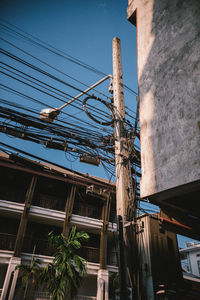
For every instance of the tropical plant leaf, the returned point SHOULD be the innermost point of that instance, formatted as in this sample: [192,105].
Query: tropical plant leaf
[63,276]
[75,244]
[83,236]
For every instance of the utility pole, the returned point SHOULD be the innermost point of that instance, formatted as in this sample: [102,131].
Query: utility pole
[122,166]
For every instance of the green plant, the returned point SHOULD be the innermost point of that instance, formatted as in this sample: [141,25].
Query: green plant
[63,276]
[113,285]
[30,274]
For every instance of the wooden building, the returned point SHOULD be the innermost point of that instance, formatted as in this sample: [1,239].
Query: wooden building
[36,198]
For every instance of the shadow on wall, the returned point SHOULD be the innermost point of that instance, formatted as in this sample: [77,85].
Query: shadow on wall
[169,71]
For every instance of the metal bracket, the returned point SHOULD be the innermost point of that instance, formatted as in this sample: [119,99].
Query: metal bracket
[127,224]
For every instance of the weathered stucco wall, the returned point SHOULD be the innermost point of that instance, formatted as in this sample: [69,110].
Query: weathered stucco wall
[168,37]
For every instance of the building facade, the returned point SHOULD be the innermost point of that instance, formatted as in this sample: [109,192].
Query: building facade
[191,257]
[37,198]
[160,268]
[168,39]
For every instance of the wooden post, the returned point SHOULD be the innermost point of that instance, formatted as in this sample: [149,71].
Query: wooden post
[24,217]
[104,237]
[68,209]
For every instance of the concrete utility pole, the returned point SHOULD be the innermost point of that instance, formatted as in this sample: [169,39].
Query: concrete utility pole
[122,164]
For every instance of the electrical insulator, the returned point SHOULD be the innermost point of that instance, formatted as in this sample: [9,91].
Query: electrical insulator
[110,89]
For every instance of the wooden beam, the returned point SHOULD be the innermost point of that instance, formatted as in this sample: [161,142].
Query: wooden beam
[173,221]
[68,210]
[24,217]
[104,234]
[69,178]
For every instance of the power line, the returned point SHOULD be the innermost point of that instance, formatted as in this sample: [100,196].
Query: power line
[78,120]
[47,74]
[12,56]
[95,180]
[52,49]
[54,68]
[58,52]
[82,139]
[82,136]
[55,97]
[67,94]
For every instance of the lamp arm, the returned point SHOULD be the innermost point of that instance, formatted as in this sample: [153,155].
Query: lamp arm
[84,92]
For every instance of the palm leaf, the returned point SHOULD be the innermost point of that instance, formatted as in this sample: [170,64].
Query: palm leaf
[63,276]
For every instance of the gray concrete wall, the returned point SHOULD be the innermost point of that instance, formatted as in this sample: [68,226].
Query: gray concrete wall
[168,37]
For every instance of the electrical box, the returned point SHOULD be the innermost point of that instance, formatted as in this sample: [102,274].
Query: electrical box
[89,160]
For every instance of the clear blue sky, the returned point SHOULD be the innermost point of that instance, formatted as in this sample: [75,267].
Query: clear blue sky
[83,29]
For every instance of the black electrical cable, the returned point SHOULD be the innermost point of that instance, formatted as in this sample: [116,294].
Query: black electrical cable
[100,182]
[62,53]
[59,99]
[54,68]
[106,96]
[12,56]
[43,139]
[94,117]
[24,118]
[55,97]
[34,78]
[68,115]
[56,51]
[93,108]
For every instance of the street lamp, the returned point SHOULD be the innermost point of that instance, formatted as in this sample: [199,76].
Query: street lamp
[50,114]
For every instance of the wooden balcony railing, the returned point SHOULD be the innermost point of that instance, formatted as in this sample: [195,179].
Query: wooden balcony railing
[12,194]
[112,258]
[7,241]
[48,201]
[42,246]
[51,202]
[19,294]
[87,210]
[31,294]
[81,297]
[91,254]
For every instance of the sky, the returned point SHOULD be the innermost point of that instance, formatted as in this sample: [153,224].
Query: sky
[84,30]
